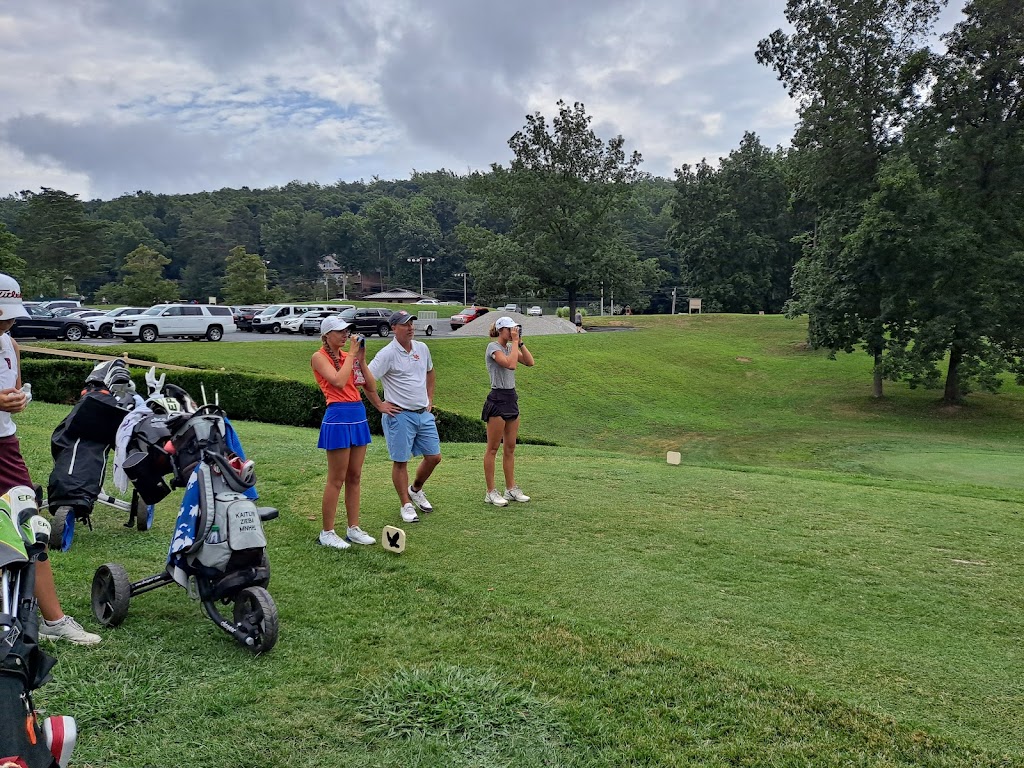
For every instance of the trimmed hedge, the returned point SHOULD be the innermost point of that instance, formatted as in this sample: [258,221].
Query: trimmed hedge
[243,396]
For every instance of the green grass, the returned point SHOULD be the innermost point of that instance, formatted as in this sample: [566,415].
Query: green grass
[824,581]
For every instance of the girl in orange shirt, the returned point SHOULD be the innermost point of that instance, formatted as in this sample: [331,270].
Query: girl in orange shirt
[344,433]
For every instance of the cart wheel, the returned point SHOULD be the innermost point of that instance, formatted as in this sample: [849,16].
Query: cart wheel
[143,512]
[111,592]
[255,608]
[62,529]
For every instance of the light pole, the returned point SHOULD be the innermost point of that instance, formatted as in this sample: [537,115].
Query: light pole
[465,296]
[420,260]
[266,265]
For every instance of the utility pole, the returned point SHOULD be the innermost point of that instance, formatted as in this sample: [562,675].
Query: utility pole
[420,261]
[465,296]
[673,301]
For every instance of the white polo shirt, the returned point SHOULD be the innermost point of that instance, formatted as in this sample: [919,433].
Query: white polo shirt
[403,374]
[8,378]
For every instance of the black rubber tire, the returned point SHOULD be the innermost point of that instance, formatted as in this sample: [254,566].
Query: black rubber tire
[107,331]
[247,602]
[74,333]
[111,594]
[275,328]
[147,334]
[384,330]
[60,519]
[141,511]
[429,330]
[214,333]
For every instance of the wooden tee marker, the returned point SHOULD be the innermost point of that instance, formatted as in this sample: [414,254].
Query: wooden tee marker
[393,539]
[674,457]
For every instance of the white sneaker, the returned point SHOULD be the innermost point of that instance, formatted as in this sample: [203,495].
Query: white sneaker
[420,500]
[409,514]
[333,540]
[358,536]
[515,493]
[495,498]
[67,629]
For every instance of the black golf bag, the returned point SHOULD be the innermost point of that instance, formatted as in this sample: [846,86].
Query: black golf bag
[218,548]
[24,667]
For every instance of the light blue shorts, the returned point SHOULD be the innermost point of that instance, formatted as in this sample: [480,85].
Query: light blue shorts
[411,434]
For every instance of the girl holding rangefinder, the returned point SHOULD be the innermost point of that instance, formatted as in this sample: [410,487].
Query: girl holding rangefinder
[344,433]
[501,409]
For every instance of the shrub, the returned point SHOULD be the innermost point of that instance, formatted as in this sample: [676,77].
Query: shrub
[563,312]
[243,396]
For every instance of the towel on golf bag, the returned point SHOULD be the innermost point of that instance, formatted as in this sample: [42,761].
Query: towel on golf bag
[122,438]
[198,550]
[231,438]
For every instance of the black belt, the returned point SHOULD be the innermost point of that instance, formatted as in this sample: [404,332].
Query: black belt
[413,410]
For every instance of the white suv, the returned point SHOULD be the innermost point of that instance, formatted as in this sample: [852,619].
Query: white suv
[208,321]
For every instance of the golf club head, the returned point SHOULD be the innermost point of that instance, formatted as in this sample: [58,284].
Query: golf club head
[153,383]
[39,528]
[61,734]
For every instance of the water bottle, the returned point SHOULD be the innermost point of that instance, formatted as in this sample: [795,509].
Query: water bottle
[214,536]
[357,371]
[27,389]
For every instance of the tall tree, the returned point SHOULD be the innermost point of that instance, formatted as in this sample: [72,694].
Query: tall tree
[562,193]
[10,263]
[848,65]
[58,242]
[142,281]
[245,277]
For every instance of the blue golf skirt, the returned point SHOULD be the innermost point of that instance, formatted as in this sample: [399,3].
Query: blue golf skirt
[344,426]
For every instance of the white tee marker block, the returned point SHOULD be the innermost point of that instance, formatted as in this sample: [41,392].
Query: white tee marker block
[393,539]
[674,457]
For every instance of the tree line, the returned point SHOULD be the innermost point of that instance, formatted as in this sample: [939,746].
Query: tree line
[893,221]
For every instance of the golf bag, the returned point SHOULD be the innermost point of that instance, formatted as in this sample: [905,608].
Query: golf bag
[80,445]
[218,548]
[24,667]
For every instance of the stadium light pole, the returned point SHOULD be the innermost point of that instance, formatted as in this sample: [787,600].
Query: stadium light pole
[465,296]
[420,260]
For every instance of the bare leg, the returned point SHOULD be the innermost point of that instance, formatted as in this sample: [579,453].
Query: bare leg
[337,470]
[425,469]
[353,479]
[400,478]
[46,592]
[508,455]
[495,428]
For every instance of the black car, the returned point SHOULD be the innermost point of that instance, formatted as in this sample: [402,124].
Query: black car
[43,324]
[369,321]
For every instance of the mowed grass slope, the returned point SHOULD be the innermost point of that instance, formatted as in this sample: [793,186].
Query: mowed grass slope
[825,581]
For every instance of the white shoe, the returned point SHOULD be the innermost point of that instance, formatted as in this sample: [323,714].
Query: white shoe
[420,500]
[495,498]
[67,629]
[515,493]
[333,540]
[409,514]
[358,536]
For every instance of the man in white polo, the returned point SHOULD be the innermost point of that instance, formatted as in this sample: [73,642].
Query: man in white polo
[405,369]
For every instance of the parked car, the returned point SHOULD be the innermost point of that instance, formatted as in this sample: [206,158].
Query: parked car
[428,302]
[43,324]
[243,317]
[467,315]
[510,308]
[311,320]
[103,325]
[535,311]
[369,321]
[59,303]
[271,319]
[194,321]
[72,311]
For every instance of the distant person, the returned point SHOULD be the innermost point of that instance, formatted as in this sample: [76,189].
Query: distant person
[55,624]
[406,370]
[501,409]
[579,321]
[344,432]
[629,310]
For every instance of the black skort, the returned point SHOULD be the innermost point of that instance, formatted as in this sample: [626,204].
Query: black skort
[503,403]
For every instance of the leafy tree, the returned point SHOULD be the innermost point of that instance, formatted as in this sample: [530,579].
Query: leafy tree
[852,66]
[562,193]
[245,278]
[58,241]
[733,230]
[142,281]
[497,268]
[10,263]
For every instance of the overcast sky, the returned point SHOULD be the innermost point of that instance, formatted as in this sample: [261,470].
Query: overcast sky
[105,97]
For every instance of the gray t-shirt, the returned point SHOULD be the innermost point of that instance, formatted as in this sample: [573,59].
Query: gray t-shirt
[501,378]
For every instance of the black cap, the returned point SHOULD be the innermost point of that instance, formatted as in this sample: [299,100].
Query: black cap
[401,317]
